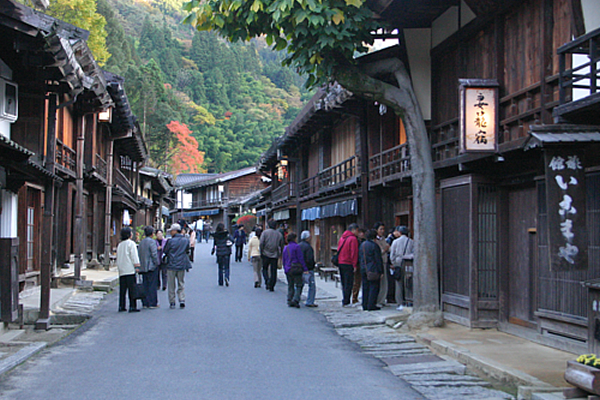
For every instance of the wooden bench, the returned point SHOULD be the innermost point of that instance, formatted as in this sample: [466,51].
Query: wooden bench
[325,272]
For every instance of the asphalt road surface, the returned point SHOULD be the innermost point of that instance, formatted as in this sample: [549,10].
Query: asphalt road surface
[233,342]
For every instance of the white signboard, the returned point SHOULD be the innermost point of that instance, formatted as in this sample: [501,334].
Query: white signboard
[478,123]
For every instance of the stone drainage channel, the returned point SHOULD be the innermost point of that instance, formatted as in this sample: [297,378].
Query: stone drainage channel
[436,378]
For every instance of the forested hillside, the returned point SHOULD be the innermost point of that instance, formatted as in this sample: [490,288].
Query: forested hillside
[234,98]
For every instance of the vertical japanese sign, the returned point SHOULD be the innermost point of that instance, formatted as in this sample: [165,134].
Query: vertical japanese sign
[478,119]
[565,199]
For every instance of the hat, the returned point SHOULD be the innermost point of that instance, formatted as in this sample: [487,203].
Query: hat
[402,229]
[175,227]
[304,235]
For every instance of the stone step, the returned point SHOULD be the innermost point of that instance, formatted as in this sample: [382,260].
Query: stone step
[461,393]
[452,367]
[396,354]
[392,346]
[11,335]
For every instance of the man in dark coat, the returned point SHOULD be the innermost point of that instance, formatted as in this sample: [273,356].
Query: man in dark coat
[239,237]
[370,260]
[176,250]
[149,262]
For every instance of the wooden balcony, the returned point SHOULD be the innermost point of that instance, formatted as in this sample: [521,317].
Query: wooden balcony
[208,203]
[334,178]
[66,158]
[389,165]
[101,169]
[283,193]
[579,80]
[122,182]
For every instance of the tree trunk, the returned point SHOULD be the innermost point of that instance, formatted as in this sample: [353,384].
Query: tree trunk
[362,81]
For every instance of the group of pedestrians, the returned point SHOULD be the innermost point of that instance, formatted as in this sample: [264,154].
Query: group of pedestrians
[142,267]
[367,262]
[369,258]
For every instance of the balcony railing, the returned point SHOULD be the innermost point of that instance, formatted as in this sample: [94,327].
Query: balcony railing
[330,178]
[579,76]
[101,167]
[309,187]
[121,181]
[389,165]
[283,193]
[339,173]
[208,203]
[66,157]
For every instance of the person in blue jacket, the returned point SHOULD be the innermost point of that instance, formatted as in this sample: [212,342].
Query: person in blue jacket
[239,237]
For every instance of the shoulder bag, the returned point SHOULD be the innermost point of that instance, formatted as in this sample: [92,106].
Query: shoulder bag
[140,291]
[372,276]
[335,260]
[296,268]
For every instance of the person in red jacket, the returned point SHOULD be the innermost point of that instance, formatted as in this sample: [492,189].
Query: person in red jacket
[348,261]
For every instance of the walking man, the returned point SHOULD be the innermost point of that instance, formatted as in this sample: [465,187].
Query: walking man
[271,247]
[149,262]
[348,261]
[309,259]
[402,249]
[239,237]
[177,249]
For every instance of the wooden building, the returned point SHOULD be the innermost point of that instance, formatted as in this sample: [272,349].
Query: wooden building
[216,196]
[70,147]
[517,207]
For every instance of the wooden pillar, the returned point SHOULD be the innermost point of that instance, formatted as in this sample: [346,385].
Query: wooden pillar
[365,214]
[546,91]
[79,233]
[95,224]
[297,193]
[108,203]
[43,321]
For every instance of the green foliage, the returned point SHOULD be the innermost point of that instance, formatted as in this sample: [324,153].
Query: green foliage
[82,13]
[234,97]
[319,35]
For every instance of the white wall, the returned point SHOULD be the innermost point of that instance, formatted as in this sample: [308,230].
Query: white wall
[447,23]
[8,217]
[418,42]
[591,14]
[6,73]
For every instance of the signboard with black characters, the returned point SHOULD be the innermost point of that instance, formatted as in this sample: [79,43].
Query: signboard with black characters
[566,203]
[478,115]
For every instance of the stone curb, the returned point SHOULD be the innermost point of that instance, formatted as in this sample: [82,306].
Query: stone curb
[21,356]
[487,367]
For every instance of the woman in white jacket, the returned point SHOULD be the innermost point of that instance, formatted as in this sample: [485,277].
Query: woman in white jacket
[128,263]
[255,258]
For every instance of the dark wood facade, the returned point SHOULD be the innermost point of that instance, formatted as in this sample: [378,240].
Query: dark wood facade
[494,255]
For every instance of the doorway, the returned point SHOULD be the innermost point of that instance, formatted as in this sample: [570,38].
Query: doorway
[522,256]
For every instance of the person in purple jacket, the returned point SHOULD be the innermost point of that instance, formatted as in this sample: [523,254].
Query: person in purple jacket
[294,267]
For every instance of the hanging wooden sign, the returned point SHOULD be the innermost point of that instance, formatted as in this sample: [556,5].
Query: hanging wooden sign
[566,209]
[478,115]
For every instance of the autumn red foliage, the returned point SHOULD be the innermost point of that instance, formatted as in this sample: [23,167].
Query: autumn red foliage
[186,155]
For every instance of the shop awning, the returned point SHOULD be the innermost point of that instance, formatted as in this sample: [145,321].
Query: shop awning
[261,213]
[165,211]
[201,213]
[281,215]
[311,214]
[340,209]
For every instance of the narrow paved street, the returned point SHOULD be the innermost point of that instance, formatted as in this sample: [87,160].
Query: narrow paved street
[229,343]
